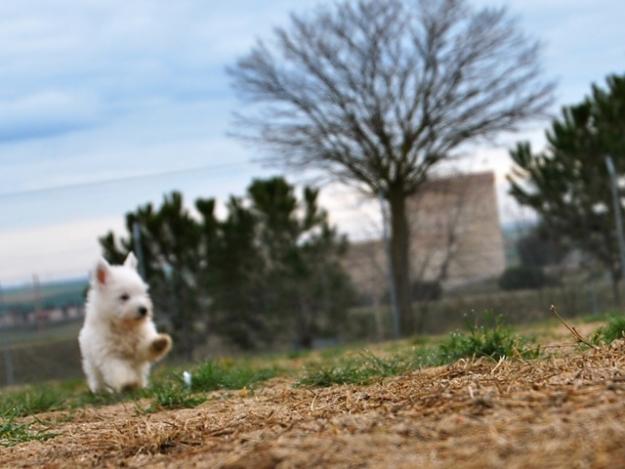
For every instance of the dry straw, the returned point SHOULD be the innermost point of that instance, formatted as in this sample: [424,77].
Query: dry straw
[563,410]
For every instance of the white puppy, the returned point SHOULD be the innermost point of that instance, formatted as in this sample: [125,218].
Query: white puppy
[118,340]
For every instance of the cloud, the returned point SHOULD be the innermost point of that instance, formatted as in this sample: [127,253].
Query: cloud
[46,114]
[219,171]
[161,136]
[53,251]
[122,56]
[97,90]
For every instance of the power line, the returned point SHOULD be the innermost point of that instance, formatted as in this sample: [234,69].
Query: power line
[102,182]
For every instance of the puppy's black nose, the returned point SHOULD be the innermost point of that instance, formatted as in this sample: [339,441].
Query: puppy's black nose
[142,311]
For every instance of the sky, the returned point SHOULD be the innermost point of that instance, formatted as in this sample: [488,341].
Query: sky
[105,106]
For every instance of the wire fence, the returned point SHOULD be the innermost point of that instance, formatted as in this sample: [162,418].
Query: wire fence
[28,363]
[50,351]
[43,348]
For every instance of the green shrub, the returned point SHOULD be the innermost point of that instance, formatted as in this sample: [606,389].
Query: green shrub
[12,433]
[614,329]
[524,277]
[494,342]
[223,375]
[360,369]
[324,375]
[173,396]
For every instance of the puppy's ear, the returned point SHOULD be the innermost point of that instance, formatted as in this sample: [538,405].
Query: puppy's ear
[102,273]
[131,261]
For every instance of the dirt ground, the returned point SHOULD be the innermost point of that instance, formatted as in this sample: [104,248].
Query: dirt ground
[562,411]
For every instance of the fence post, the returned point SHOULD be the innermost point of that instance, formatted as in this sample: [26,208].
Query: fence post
[616,201]
[138,248]
[9,375]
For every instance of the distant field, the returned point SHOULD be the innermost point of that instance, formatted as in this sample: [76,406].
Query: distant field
[32,336]
[54,293]
[39,355]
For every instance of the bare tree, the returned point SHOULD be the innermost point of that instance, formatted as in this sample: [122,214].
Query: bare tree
[444,233]
[377,92]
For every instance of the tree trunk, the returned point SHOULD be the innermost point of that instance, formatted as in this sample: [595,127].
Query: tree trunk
[400,260]
[304,330]
[186,344]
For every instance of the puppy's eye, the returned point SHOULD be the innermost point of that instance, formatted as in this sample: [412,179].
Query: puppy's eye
[124,297]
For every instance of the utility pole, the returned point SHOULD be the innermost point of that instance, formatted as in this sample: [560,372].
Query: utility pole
[616,201]
[40,315]
[136,241]
[390,276]
[9,375]
[2,307]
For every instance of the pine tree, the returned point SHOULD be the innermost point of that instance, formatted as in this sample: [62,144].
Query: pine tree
[568,183]
[170,244]
[310,290]
[268,271]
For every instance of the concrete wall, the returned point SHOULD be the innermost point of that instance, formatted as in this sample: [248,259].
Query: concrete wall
[456,236]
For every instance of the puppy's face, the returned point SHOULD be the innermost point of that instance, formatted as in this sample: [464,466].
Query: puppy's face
[121,292]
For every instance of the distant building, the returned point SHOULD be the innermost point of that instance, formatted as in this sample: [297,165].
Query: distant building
[42,317]
[456,237]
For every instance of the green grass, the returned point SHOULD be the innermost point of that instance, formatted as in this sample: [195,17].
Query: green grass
[345,372]
[224,374]
[166,392]
[494,342]
[297,354]
[30,401]
[337,365]
[36,399]
[613,330]
[173,396]
[604,316]
[331,352]
[12,433]
[360,369]
[86,398]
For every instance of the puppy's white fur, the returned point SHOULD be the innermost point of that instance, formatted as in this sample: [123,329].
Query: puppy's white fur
[118,340]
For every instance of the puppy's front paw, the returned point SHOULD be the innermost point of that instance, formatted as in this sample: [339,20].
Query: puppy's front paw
[160,346]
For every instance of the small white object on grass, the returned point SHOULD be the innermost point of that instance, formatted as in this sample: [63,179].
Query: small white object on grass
[186,378]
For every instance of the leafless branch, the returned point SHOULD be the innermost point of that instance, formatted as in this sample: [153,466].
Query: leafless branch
[378,92]
[382,90]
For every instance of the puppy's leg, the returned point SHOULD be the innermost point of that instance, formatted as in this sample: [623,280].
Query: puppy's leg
[120,376]
[158,347]
[144,373]
[94,378]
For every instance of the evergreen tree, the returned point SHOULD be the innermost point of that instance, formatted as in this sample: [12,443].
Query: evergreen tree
[539,248]
[568,184]
[308,287]
[269,270]
[170,244]
[239,290]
